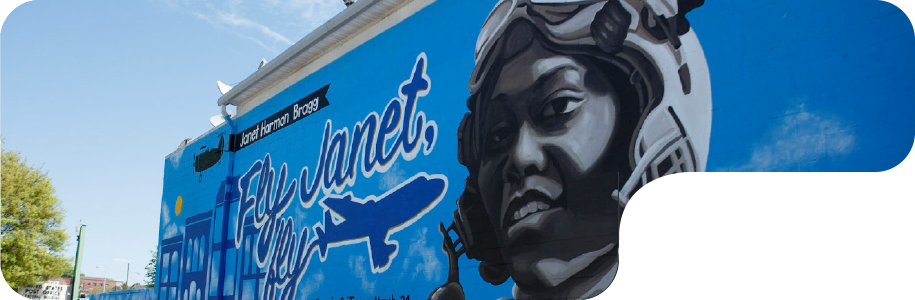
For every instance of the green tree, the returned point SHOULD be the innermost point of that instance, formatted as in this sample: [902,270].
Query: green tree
[124,287]
[31,234]
[69,273]
[151,269]
[96,290]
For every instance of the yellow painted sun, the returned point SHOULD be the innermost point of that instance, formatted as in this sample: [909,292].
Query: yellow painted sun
[178,206]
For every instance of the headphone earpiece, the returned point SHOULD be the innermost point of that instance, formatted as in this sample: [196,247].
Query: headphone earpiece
[476,235]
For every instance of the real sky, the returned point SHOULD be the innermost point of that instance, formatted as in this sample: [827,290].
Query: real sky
[96,93]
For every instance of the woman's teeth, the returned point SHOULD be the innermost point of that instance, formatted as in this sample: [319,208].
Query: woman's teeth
[530,208]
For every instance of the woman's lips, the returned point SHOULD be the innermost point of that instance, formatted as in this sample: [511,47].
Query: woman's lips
[537,194]
[530,222]
[529,208]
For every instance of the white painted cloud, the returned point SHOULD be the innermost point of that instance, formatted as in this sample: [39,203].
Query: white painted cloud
[357,264]
[171,230]
[392,178]
[312,283]
[175,157]
[300,214]
[166,214]
[801,136]
[429,266]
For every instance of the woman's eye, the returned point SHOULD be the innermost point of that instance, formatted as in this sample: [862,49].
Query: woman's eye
[560,106]
[498,136]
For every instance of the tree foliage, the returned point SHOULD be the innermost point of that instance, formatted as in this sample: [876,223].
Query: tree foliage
[69,273]
[31,234]
[97,290]
[151,269]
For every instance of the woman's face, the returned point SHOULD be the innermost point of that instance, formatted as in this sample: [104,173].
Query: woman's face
[546,132]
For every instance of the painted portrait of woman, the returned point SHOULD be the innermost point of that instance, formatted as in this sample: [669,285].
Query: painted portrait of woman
[574,106]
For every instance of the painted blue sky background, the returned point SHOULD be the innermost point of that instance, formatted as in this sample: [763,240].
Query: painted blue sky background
[808,85]
[96,93]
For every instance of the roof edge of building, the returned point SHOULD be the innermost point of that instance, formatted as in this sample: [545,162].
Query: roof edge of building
[343,27]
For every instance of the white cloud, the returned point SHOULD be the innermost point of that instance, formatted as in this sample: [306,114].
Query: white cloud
[801,136]
[245,28]
[123,260]
[236,21]
[314,13]
[272,24]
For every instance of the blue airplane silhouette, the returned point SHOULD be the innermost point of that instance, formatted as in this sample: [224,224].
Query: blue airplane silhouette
[374,219]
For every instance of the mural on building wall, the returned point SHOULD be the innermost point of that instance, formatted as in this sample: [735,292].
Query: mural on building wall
[574,106]
[365,180]
[208,157]
[272,252]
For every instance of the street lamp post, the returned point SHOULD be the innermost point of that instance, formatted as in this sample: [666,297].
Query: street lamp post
[105,284]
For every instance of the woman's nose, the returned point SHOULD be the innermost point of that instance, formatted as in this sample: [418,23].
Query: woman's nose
[526,155]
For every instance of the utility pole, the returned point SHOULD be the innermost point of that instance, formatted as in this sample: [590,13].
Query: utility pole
[128,276]
[80,241]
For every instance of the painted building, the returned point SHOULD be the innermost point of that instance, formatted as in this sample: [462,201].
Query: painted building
[488,149]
